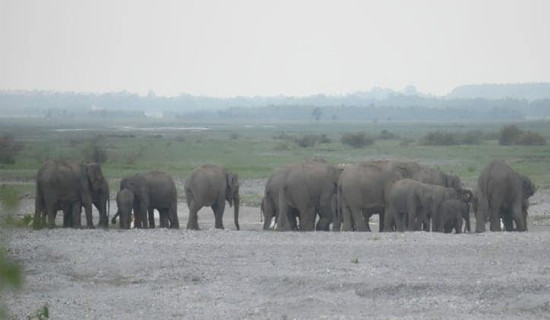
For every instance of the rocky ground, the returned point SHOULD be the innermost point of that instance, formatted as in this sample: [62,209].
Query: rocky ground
[252,274]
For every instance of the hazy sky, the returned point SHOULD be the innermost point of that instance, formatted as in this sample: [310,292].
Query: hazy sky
[254,47]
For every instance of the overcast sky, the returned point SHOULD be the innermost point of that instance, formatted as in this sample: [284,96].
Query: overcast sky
[254,47]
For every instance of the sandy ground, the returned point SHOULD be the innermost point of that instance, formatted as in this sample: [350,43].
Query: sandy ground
[252,274]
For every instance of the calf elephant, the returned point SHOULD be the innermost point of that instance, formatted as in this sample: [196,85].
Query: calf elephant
[309,188]
[416,202]
[69,186]
[125,204]
[151,190]
[451,215]
[211,185]
[502,193]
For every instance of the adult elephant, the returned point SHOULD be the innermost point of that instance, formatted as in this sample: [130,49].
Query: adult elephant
[69,186]
[410,203]
[451,215]
[362,191]
[309,188]
[502,192]
[152,190]
[211,185]
[270,201]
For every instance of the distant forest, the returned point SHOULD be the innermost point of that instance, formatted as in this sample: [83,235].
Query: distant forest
[473,102]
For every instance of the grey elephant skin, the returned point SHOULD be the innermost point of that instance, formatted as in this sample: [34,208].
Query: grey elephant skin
[125,204]
[310,189]
[362,189]
[69,186]
[270,202]
[211,185]
[502,192]
[151,190]
[451,216]
[361,192]
[411,203]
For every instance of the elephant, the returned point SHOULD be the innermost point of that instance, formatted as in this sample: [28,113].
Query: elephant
[416,202]
[69,185]
[211,185]
[502,193]
[310,189]
[362,188]
[270,202]
[100,200]
[451,215]
[125,203]
[151,190]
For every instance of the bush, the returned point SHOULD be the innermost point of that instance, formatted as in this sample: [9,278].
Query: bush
[530,138]
[509,135]
[357,140]
[386,135]
[8,149]
[471,137]
[305,141]
[440,138]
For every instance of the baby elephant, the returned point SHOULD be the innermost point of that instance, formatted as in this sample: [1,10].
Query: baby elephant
[125,203]
[450,216]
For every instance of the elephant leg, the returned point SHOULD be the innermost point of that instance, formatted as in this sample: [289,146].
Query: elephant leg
[283,223]
[307,219]
[325,218]
[173,215]
[164,218]
[518,217]
[76,215]
[151,213]
[358,219]
[193,220]
[389,219]
[218,209]
[508,221]
[50,211]
[381,215]
[400,221]
[481,214]
[347,220]
[494,219]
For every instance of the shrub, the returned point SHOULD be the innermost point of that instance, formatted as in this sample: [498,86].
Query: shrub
[305,141]
[530,138]
[440,138]
[386,135]
[8,149]
[357,140]
[509,135]
[471,137]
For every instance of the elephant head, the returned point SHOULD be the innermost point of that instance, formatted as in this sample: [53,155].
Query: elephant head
[528,187]
[125,203]
[232,194]
[453,181]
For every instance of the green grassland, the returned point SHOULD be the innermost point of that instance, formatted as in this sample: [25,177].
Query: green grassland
[253,150]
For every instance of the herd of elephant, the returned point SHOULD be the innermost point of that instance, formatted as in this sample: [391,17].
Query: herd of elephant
[303,196]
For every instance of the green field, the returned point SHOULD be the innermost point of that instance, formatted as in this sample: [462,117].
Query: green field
[253,150]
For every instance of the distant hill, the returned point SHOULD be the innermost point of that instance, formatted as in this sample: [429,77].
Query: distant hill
[529,91]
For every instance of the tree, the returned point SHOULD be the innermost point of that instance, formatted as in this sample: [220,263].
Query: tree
[316,113]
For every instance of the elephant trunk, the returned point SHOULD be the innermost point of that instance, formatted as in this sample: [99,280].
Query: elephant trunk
[236,201]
